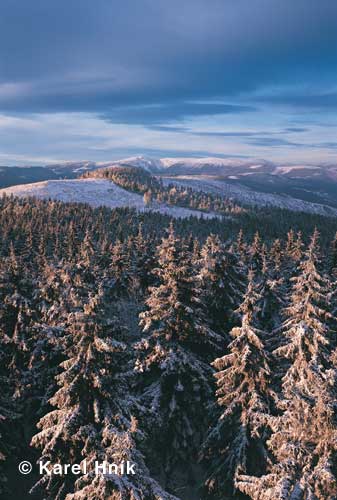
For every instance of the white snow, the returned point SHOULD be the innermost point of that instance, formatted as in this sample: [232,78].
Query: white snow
[153,164]
[200,162]
[247,196]
[159,164]
[147,163]
[96,192]
[287,170]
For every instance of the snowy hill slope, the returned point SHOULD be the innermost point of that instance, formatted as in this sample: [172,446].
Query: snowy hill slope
[247,196]
[313,183]
[301,187]
[95,192]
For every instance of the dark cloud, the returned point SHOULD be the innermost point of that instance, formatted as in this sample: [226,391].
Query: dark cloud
[275,142]
[278,142]
[229,134]
[205,133]
[163,113]
[165,128]
[80,55]
[163,65]
[296,129]
[220,134]
[322,101]
[329,145]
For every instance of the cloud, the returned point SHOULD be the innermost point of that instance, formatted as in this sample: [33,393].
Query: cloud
[275,142]
[185,68]
[325,101]
[170,152]
[328,145]
[79,55]
[231,134]
[206,133]
[295,129]
[228,134]
[165,128]
[171,112]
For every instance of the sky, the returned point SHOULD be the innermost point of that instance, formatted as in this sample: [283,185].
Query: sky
[107,79]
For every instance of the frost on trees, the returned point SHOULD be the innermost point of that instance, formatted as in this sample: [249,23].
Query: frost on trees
[236,442]
[304,439]
[174,375]
[92,420]
[221,284]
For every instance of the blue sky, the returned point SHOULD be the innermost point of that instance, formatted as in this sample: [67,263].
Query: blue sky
[103,79]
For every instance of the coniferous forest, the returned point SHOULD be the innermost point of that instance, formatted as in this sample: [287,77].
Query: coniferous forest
[202,351]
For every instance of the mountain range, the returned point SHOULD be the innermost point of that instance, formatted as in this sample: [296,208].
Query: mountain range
[307,187]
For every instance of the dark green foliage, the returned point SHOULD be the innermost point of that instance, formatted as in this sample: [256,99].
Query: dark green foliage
[71,276]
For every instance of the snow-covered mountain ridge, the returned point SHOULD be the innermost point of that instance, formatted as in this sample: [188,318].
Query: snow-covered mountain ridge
[246,196]
[299,187]
[96,192]
[225,166]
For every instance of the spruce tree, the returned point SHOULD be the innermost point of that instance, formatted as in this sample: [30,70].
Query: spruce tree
[175,378]
[120,268]
[221,284]
[276,255]
[304,439]
[91,420]
[333,255]
[255,252]
[236,442]
[142,261]
[241,246]
[8,416]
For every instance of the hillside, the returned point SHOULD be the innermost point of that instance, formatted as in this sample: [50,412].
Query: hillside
[247,196]
[96,192]
[314,183]
[299,187]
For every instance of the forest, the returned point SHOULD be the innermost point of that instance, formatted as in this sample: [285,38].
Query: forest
[138,180]
[202,351]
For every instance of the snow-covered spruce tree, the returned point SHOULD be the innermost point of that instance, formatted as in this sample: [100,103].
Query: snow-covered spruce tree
[175,378]
[240,247]
[87,250]
[17,315]
[142,260]
[276,256]
[116,446]
[72,242]
[290,243]
[255,252]
[120,268]
[47,345]
[272,290]
[61,289]
[91,420]
[294,246]
[87,259]
[236,441]
[8,415]
[16,288]
[333,255]
[304,439]
[221,284]
[195,254]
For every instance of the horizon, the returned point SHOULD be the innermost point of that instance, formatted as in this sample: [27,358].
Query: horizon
[200,159]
